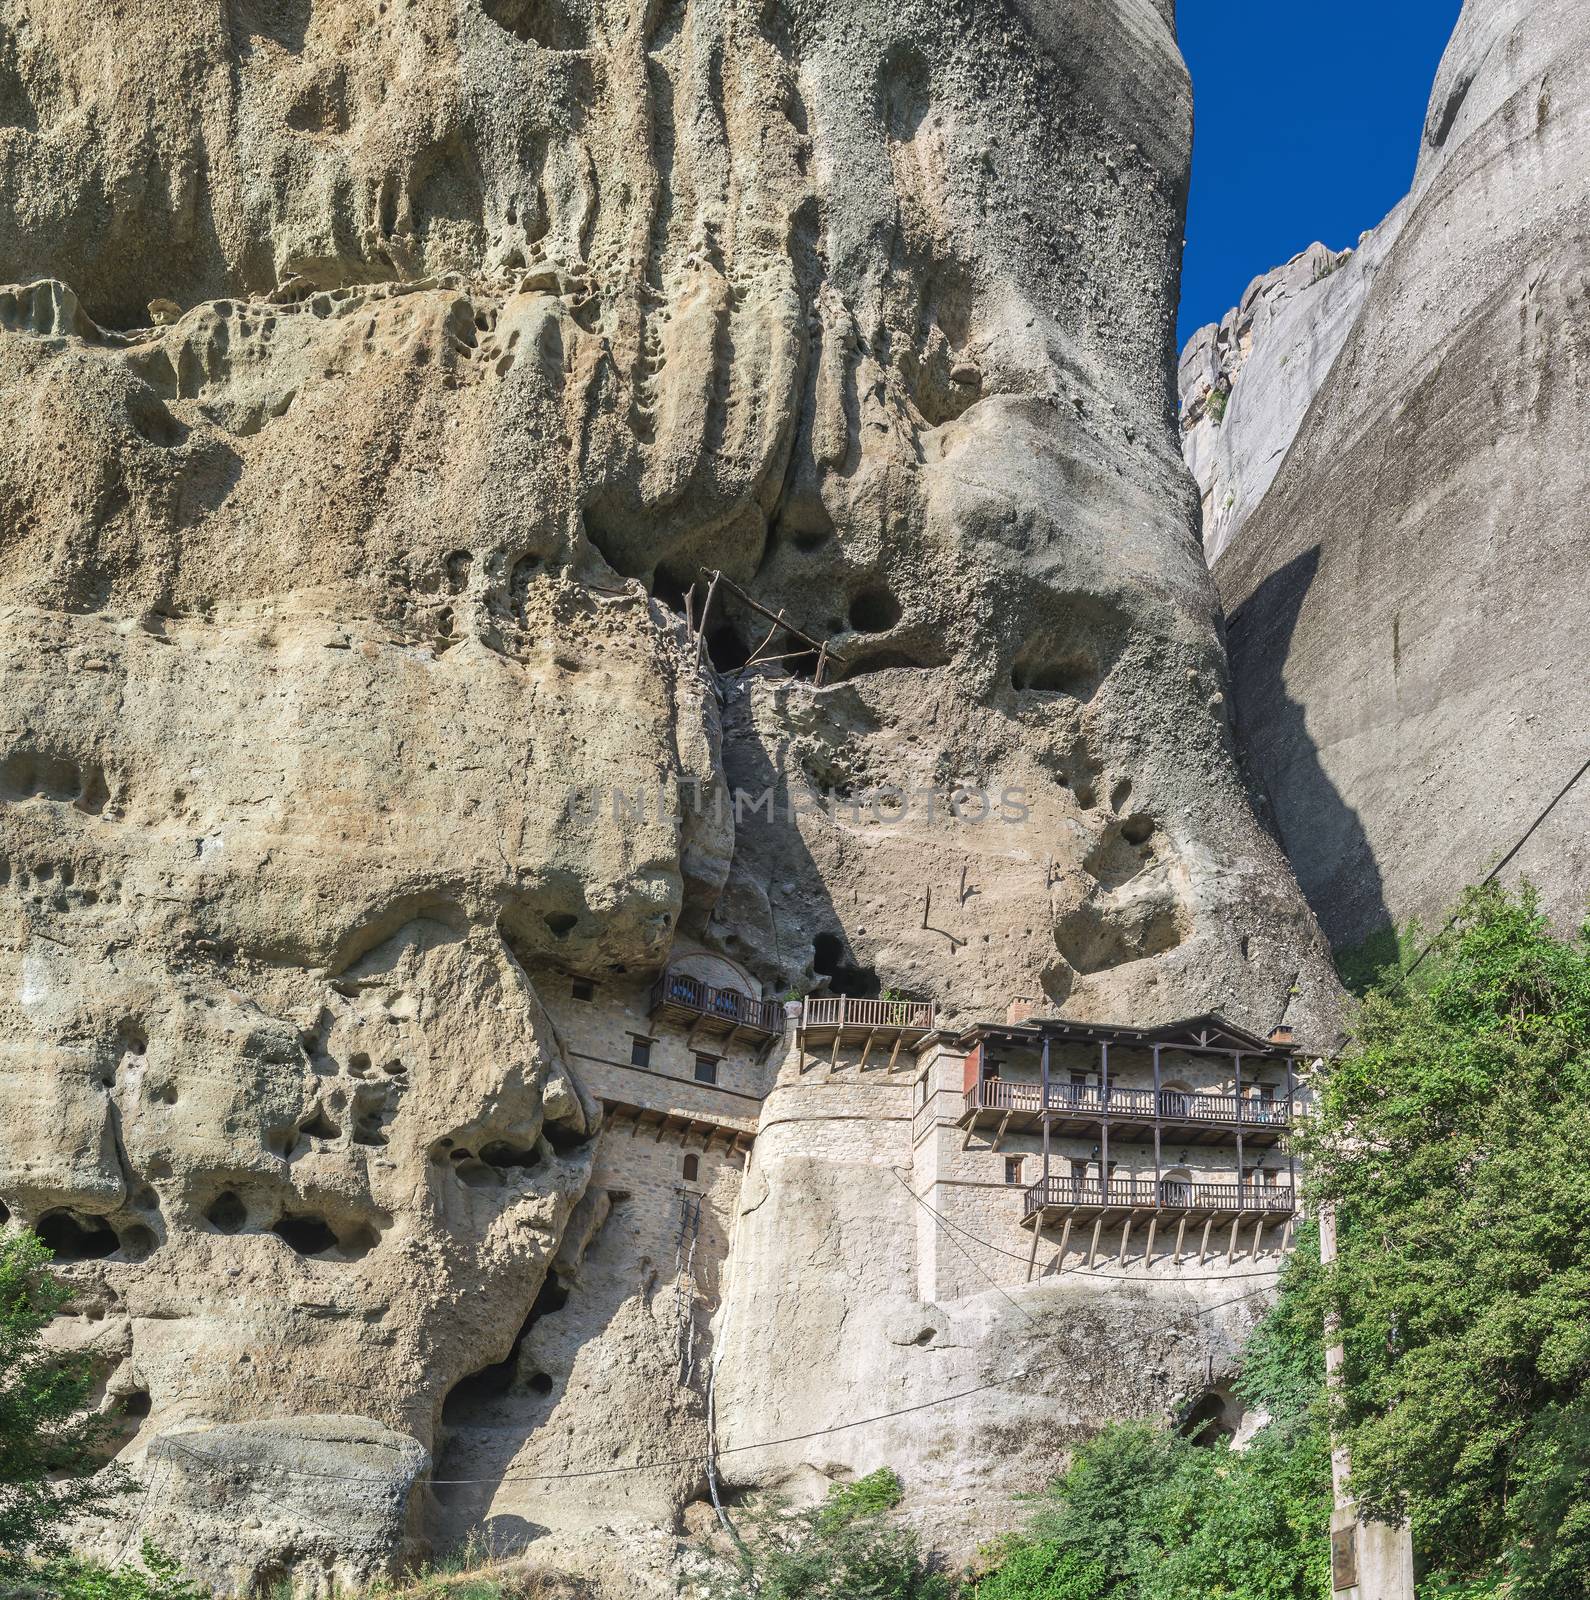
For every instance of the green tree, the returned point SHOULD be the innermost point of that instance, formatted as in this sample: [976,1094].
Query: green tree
[843,1549]
[51,1449]
[1453,1140]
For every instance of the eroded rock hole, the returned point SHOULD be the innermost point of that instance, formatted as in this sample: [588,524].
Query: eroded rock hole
[455,571]
[320,1126]
[832,960]
[135,1404]
[227,1213]
[552,24]
[33,774]
[519,581]
[70,1238]
[1209,1420]
[503,1155]
[560,924]
[669,588]
[874,611]
[471,1399]
[729,652]
[137,1242]
[1075,676]
[308,1236]
[1138,830]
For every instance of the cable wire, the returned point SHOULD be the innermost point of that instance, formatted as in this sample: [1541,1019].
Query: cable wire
[1490,877]
[639,1466]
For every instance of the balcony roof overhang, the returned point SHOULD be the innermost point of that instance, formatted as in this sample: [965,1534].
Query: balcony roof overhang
[1208,1031]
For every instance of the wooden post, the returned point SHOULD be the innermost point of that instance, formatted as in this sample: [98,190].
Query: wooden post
[1241,1170]
[1291,1159]
[706,607]
[1126,1237]
[1037,1228]
[1181,1233]
[1258,1235]
[822,661]
[1065,1244]
[1045,1112]
[1093,1248]
[1231,1249]
[1104,1074]
[1104,1161]
[1203,1248]
[1148,1249]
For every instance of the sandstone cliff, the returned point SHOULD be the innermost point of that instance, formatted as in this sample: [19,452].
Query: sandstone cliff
[1394,497]
[380,385]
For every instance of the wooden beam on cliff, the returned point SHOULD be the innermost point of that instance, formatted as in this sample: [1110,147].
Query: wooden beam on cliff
[776,617]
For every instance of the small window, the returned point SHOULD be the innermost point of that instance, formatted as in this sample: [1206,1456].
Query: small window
[706,1069]
[583,990]
[639,1051]
[1079,1080]
[692,1168]
[1012,1169]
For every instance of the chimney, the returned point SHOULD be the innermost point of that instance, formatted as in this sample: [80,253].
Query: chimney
[1020,1009]
[1282,1034]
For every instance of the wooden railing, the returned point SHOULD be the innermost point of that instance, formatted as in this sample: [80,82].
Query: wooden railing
[728,1005]
[1168,1194]
[1175,1105]
[841,1011]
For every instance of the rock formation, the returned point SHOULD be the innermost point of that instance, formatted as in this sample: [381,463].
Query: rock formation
[1396,488]
[381,386]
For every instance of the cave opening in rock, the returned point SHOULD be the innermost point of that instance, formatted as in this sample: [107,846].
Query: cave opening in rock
[470,1399]
[227,1213]
[500,1153]
[308,1236]
[1208,1422]
[874,611]
[71,1238]
[842,974]
[728,651]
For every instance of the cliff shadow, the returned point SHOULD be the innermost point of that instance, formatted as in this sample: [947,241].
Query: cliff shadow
[1323,836]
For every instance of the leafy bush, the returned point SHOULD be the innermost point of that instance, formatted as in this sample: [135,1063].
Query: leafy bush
[842,1549]
[158,1577]
[51,1449]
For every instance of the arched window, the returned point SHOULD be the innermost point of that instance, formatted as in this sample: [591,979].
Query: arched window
[692,1168]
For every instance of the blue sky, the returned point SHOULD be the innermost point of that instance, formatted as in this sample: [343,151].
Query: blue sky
[1309,119]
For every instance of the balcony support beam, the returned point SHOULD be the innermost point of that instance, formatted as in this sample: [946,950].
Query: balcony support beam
[1203,1248]
[1093,1248]
[1148,1249]
[1181,1233]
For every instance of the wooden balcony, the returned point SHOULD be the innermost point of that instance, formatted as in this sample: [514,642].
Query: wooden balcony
[887,1024]
[706,1010]
[1177,1197]
[1011,1107]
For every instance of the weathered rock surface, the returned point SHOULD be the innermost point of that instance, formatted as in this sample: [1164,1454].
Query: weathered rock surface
[1407,596]
[1280,341]
[375,387]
